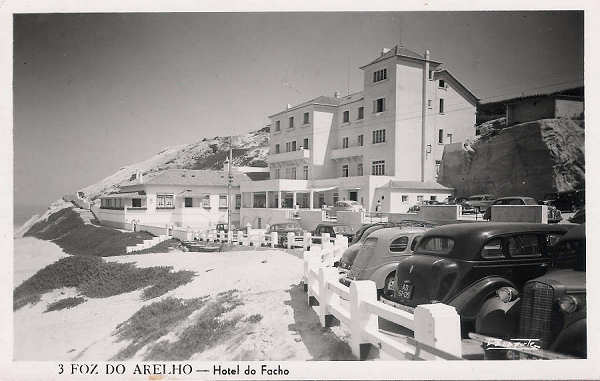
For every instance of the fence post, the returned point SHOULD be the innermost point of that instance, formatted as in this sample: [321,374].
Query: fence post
[229,236]
[274,239]
[313,261]
[240,237]
[246,239]
[291,237]
[325,240]
[438,325]
[307,240]
[308,256]
[326,296]
[361,319]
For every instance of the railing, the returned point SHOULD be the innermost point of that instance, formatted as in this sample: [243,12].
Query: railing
[436,327]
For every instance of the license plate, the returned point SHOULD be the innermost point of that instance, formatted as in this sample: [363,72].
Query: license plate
[405,290]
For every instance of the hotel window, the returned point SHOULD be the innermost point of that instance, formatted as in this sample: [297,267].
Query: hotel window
[361,140]
[345,142]
[441,136]
[294,145]
[419,198]
[438,164]
[188,202]
[305,118]
[293,173]
[378,168]
[379,105]
[278,125]
[305,143]
[238,201]
[441,105]
[136,202]
[359,169]
[404,198]
[223,201]
[361,113]
[291,124]
[433,198]
[164,201]
[206,201]
[442,84]
[429,103]
[336,198]
[277,148]
[379,136]
[346,117]
[345,172]
[379,75]
[277,173]
[449,138]
[305,172]
[288,147]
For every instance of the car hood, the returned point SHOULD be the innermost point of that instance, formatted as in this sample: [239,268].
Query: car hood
[349,255]
[570,279]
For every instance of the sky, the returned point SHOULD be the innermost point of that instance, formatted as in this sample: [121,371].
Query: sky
[95,92]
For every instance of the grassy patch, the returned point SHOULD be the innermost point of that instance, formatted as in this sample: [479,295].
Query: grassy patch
[65,303]
[96,278]
[67,230]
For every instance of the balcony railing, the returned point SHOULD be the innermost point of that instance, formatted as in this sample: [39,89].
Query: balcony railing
[298,155]
[353,151]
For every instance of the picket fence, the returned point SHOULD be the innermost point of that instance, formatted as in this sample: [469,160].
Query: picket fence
[436,327]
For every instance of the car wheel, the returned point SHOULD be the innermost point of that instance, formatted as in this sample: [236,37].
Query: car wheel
[388,286]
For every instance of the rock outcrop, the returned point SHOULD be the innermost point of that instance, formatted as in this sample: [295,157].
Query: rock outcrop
[529,159]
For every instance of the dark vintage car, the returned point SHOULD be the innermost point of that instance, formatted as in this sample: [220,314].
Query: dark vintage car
[463,265]
[479,202]
[553,306]
[334,228]
[283,228]
[554,215]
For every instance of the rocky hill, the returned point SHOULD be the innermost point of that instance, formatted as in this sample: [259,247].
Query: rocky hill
[529,159]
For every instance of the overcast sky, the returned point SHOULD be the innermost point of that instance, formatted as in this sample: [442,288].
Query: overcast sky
[94,92]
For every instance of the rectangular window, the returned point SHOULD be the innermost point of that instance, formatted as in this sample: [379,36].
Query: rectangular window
[278,125]
[449,138]
[441,105]
[429,103]
[404,198]
[379,105]
[441,136]
[288,147]
[277,148]
[294,145]
[291,122]
[238,201]
[379,75]
[305,118]
[346,117]
[277,173]
[136,202]
[293,173]
[378,168]
[345,172]
[361,140]
[359,169]
[305,143]
[206,201]
[336,198]
[223,201]
[433,198]
[164,201]
[438,164]
[442,84]
[378,136]
[361,113]
[305,172]
[188,202]
[345,142]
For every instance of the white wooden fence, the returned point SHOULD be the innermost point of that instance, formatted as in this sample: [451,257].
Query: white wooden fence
[436,327]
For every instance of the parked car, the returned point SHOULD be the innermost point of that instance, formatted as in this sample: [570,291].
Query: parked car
[345,206]
[553,306]
[350,253]
[379,255]
[283,228]
[463,265]
[568,201]
[334,228]
[554,215]
[479,202]
[225,228]
[417,207]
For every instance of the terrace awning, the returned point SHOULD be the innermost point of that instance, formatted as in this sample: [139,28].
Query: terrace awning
[125,195]
[323,189]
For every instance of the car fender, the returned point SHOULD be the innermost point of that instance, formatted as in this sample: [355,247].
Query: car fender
[497,318]
[572,339]
[469,300]
[380,275]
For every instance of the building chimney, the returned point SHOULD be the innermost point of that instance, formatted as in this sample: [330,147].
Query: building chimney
[336,94]
[426,55]
[384,50]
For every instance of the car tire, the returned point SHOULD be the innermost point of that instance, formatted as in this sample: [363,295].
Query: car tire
[387,290]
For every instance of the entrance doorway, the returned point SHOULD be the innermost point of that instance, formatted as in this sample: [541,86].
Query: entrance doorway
[353,195]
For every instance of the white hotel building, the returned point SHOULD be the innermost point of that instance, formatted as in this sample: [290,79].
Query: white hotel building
[384,143]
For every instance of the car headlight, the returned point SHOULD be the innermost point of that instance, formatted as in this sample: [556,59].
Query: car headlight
[507,294]
[568,303]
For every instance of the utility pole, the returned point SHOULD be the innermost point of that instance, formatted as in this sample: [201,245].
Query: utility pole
[229,181]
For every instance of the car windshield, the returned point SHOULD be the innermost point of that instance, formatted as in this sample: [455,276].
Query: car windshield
[530,201]
[436,245]
[342,229]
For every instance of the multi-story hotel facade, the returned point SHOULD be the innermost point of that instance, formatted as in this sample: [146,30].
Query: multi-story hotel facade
[380,146]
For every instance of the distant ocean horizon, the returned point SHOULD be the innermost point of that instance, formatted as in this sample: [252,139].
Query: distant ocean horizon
[24,212]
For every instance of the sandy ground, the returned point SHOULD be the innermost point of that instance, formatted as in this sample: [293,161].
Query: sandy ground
[268,283]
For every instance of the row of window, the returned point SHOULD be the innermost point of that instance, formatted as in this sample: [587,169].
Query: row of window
[290,173]
[305,120]
[292,146]
[346,170]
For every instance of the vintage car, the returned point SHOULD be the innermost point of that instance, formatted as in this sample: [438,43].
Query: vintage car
[283,228]
[345,206]
[553,306]
[554,215]
[380,254]
[568,201]
[334,228]
[479,202]
[464,265]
